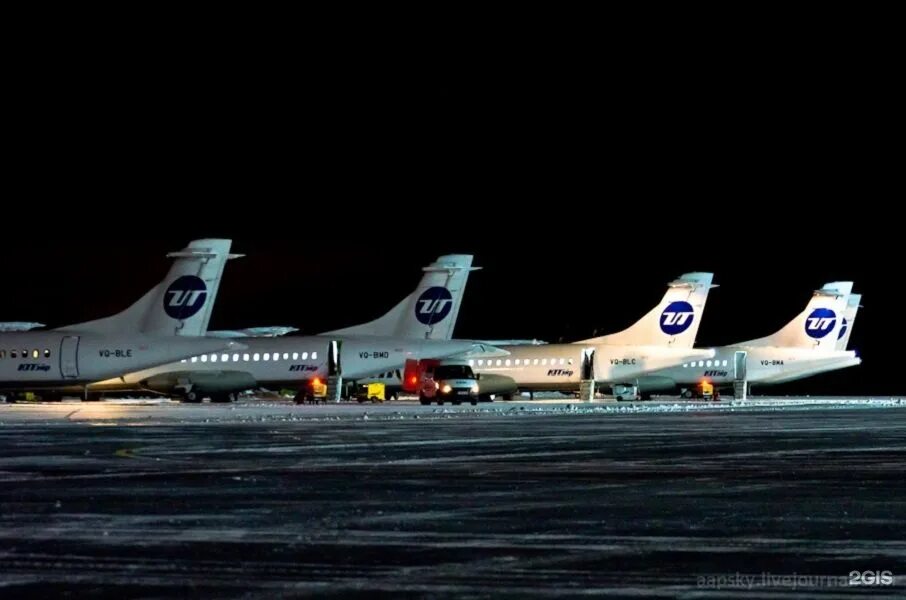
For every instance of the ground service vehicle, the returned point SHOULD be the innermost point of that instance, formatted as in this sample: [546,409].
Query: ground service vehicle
[371,392]
[704,390]
[312,392]
[626,392]
[453,382]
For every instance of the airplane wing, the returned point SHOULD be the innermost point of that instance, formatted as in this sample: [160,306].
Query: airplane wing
[19,326]
[253,332]
[513,342]
[481,350]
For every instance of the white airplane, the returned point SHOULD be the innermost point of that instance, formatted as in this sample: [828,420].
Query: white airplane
[418,327]
[838,358]
[662,338]
[804,347]
[150,332]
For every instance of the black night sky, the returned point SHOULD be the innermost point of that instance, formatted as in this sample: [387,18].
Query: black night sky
[580,196]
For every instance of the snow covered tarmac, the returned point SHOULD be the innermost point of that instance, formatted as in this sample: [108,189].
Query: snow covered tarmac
[166,411]
[527,499]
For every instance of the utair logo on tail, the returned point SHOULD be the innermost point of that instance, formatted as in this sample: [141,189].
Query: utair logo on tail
[433,305]
[677,317]
[820,322]
[185,297]
[842,329]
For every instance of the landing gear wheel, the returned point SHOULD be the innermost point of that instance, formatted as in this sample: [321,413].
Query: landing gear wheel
[191,397]
[686,394]
[473,402]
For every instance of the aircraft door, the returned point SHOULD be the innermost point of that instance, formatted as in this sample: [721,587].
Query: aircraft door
[69,357]
[334,367]
[739,366]
[588,364]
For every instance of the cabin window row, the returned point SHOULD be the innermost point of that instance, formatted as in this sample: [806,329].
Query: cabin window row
[519,362]
[705,363]
[253,357]
[25,354]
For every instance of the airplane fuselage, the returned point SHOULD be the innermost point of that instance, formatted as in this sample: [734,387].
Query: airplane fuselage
[559,366]
[286,362]
[33,360]
[763,364]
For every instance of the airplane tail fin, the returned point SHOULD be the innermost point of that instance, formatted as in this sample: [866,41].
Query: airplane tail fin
[674,321]
[818,325]
[849,319]
[430,312]
[181,304]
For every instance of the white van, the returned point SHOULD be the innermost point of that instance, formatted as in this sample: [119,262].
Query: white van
[453,382]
